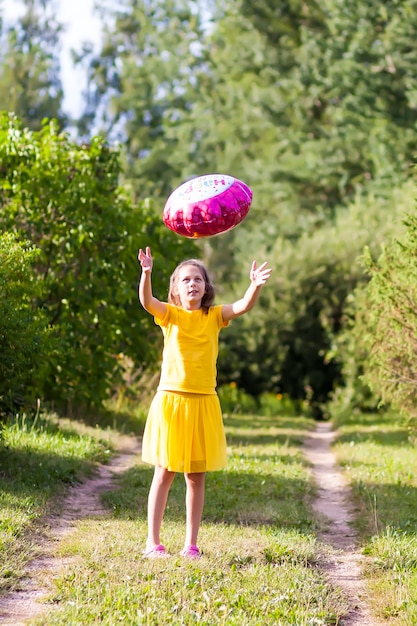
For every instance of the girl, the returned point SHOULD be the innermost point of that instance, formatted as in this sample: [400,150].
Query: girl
[184,430]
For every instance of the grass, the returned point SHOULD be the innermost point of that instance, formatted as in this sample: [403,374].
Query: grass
[261,558]
[38,462]
[245,577]
[379,455]
[259,561]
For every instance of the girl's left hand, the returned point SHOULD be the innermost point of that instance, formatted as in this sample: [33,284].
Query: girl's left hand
[259,275]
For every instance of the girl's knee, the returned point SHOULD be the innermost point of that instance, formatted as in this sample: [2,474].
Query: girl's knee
[195,478]
[164,476]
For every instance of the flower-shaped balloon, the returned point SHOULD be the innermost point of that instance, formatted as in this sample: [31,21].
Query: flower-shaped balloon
[207,205]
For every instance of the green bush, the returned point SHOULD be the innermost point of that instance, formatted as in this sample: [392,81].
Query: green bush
[66,200]
[24,335]
[270,404]
[235,401]
[378,346]
[289,344]
[391,323]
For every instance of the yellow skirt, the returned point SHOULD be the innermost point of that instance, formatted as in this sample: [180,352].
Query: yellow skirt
[184,432]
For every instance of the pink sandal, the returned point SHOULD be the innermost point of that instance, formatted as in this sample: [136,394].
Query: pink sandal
[155,552]
[191,552]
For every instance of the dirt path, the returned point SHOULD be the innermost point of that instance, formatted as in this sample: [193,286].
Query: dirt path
[82,501]
[332,506]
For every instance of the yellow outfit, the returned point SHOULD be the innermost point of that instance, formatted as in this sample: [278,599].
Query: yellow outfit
[184,430]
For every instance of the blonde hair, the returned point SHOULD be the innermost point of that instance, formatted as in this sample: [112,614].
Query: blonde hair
[208,298]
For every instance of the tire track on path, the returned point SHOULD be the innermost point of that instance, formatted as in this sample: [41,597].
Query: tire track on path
[83,500]
[333,506]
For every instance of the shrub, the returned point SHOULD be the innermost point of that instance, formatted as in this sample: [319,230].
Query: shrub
[391,322]
[24,335]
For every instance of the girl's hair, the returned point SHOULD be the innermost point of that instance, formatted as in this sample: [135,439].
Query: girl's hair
[208,298]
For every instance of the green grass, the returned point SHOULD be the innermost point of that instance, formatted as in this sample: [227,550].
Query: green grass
[380,458]
[38,462]
[259,562]
[261,558]
[240,580]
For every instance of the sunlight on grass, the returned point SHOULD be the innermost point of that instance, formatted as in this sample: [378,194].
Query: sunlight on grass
[257,539]
[244,577]
[37,463]
[261,559]
[381,461]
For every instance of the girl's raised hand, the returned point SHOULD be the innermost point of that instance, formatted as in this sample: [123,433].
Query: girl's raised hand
[259,275]
[145,259]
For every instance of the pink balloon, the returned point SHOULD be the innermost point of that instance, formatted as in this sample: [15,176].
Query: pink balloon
[207,205]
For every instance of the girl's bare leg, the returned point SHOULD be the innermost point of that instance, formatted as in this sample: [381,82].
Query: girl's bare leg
[194,503]
[157,500]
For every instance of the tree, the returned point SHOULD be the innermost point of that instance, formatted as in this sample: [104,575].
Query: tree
[293,343]
[140,86]
[313,106]
[65,199]
[30,84]
[390,326]
[304,101]
[353,344]
[345,71]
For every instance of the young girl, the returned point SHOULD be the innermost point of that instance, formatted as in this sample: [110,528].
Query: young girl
[184,430]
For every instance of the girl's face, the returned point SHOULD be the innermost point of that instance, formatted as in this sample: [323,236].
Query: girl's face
[190,287]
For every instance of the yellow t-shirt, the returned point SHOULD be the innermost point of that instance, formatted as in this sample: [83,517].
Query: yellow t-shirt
[191,347]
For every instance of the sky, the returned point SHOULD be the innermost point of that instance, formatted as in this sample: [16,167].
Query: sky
[80,25]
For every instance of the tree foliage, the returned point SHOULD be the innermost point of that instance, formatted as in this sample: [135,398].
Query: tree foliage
[24,338]
[312,104]
[345,71]
[66,201]
[30,82]
[352,345]
[303,101]
[141,86]
[390,326]
[292,345]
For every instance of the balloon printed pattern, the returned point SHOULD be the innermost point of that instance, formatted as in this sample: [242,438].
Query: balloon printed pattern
[207,205]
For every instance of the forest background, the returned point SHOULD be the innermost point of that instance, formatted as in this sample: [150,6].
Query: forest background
[314,105]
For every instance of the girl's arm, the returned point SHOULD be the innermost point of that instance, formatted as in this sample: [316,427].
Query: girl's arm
[154,306]
[258,276]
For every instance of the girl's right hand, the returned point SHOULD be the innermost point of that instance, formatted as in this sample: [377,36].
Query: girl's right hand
[145,259]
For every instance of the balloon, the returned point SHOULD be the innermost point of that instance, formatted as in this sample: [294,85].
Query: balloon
[207,205]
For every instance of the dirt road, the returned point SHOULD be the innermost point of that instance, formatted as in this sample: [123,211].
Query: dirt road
[332,505]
